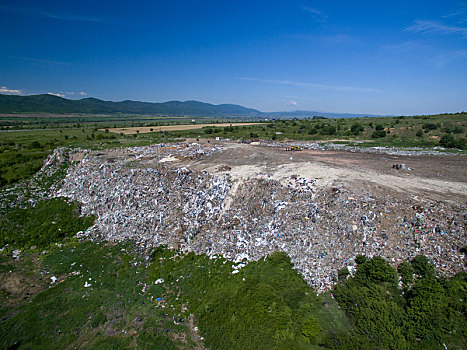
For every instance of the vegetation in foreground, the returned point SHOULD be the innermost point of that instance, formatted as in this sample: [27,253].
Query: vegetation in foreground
[47,222]
[104,295]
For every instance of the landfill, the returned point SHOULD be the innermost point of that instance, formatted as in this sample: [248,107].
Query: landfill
[160,195]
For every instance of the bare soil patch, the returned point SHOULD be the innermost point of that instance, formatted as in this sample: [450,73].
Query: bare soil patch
[148,129]
[431,177]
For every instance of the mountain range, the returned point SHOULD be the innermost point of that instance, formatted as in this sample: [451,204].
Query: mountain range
[47,103]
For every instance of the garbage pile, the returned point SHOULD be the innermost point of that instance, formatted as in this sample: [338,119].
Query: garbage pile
[321,229]
[326,146]
[42,185]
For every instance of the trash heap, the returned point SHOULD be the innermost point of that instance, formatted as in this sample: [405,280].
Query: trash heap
[153,206]
[326,146]
[321,229]
[42,185]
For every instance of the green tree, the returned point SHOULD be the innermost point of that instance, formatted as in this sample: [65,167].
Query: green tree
[379,127]
[342,274]
[422,267]
[357,128]
[311,330]
[35,145]
[426,302]
[378,134]
[406,272]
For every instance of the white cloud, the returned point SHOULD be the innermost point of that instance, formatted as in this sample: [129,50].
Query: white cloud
[317,14]
[292,103]
[313,85]
[406,46]
[453,14]
[38,60]
[312,10]
[59,94]
[435,27]
[442,60]
[4,90]
[30,11]
[332,39]
[80,93]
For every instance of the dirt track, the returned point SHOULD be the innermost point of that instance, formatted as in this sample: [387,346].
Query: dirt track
[147,129]
[436,178]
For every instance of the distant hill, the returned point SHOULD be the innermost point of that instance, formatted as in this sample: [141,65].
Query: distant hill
[47,103]
[311,114]
[53,104]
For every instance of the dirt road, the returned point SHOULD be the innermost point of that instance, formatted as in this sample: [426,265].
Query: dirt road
[147,129]
[432,177]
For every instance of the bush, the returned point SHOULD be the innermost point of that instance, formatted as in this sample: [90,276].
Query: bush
[378,134]
[311,330]
[422,267]
[425,313]
[449,141]
[48,222]
[357,128]
[34,145]
[429,126]
[328,130]
[379,127]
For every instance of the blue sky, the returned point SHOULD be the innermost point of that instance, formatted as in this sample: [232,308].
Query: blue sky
[382,57]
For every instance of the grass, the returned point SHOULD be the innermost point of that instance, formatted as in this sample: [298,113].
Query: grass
[105,296]
[47,222]
[114,310]
[397,131]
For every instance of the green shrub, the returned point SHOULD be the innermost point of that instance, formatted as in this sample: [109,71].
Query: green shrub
[357,128]
[449,141]
[378,134]
[48,222]
[429,126]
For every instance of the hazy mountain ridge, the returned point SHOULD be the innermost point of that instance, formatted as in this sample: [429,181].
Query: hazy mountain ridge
[311,114]
[47,103]
[54,104]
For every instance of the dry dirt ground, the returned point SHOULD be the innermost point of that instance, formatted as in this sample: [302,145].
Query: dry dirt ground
[439,178]
[147,129]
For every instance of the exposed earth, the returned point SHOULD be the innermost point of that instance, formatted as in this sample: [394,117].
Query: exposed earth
[146,129]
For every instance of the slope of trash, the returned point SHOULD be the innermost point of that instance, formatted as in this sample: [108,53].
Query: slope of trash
[157,195]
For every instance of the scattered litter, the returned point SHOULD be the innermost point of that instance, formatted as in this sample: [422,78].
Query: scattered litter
[321,229]
[16,254]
